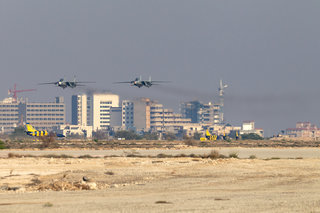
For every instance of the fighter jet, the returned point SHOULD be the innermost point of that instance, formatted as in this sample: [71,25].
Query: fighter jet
[31,131]
[64,84]
[138,82]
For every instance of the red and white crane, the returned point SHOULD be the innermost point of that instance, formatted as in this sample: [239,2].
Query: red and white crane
[14,92]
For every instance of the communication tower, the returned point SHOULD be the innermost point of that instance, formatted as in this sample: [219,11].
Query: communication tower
[221,96]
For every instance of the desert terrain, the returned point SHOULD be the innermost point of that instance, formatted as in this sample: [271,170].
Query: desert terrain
[187,179]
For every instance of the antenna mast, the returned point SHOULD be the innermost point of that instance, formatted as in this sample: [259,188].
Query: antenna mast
[221,95]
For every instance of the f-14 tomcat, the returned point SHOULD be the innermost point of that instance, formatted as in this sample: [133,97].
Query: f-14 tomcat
[64,84]
[138,82]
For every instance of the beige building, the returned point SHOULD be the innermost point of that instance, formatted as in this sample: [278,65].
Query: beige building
[42,115]
[192,128]
[144,115]
[222,129]
[93,110]
[10,114]
[162,119]
[304,130]
[46,115]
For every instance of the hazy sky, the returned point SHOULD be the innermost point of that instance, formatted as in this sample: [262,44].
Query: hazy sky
[266,51]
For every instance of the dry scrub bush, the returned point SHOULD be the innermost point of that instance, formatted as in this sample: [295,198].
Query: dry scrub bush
[109,173]
[48,204]
[233,155]
[214,154]
[86,156]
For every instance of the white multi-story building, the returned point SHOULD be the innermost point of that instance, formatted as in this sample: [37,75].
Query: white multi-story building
[93,110]
[249,127]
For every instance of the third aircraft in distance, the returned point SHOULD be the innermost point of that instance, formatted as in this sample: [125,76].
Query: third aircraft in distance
[64,84]
[138,82]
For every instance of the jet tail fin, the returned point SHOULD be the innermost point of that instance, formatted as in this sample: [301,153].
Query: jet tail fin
[30,128]
[208,134]
[210,137]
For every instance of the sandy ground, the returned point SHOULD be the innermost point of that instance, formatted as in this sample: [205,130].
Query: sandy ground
[122,184]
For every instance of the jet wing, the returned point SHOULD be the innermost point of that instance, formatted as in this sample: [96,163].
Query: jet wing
[160,81]
[84,82]
[122,82]
[48,83]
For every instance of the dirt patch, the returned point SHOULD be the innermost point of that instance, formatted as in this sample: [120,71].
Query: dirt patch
[76,174]
[166,184]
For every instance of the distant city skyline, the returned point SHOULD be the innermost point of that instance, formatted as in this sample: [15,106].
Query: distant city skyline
[266,51]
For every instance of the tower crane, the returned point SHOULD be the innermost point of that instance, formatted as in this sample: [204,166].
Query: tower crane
[14,92]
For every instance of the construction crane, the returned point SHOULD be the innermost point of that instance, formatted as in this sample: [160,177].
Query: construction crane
[14,92]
